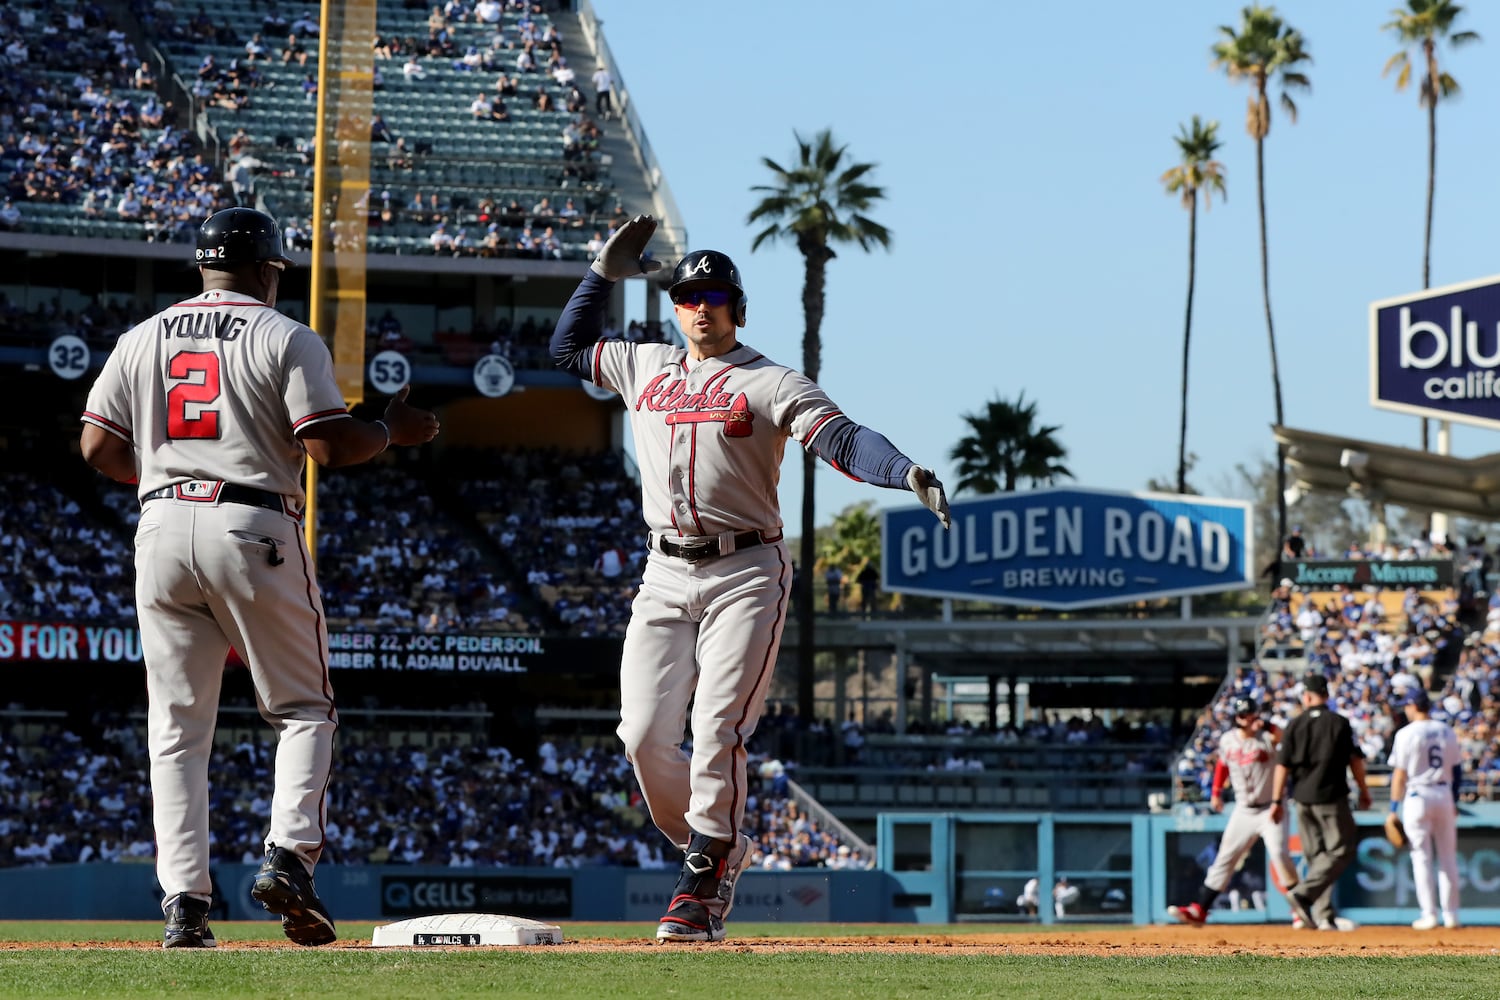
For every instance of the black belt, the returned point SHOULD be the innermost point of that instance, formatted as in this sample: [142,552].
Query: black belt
[228,493]
[704,547]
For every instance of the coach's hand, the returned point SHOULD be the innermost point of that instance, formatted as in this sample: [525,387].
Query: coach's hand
[624,253]
[929,489]
[407,424]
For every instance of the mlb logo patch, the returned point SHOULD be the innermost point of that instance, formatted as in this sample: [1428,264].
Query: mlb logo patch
[198,489]
[210,253]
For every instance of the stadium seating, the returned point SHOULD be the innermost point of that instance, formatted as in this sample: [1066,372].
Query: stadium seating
[459,802]
[1370,644]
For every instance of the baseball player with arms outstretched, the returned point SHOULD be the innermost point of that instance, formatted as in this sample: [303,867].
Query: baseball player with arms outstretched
[1427,764]
[711,422]
[212,406]
[1247,759]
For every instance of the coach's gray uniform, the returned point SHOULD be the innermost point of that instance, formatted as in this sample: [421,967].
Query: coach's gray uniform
[211,392]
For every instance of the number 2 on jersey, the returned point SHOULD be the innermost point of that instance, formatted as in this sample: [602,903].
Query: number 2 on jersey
[184,366]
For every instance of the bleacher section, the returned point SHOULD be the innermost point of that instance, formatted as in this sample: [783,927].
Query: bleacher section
[88,146]
[536,185]
[485,173]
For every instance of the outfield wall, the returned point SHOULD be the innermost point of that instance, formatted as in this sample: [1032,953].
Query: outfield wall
[933,868]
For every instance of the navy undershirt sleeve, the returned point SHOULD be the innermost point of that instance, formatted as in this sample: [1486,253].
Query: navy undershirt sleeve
[580,326]
[863,454]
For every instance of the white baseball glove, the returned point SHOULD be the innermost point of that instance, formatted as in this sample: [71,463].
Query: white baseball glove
[929,489]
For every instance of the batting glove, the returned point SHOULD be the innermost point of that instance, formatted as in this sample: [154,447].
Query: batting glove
[929,489]
[624,253]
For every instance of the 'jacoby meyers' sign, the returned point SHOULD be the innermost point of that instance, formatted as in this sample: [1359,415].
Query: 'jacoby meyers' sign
[1070,548]
[1387,574]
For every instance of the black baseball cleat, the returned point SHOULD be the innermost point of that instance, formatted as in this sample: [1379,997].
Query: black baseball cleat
[187,923]
[284,888]
[699,900]
[689,919]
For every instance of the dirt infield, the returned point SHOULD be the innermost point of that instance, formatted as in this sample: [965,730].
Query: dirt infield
[1133,942]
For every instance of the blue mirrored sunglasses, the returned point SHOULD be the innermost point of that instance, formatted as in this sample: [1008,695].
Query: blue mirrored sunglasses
[709,296]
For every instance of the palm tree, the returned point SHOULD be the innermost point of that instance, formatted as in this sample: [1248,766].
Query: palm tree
[1421,24]
[1265,48]
[819,202]
[1198,171]
[1005,447]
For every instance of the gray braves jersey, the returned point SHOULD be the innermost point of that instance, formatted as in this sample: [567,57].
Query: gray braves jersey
[1251,761]
[710,434]
[1428,751]
[210,387]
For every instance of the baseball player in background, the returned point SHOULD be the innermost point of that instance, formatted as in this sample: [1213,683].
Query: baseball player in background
[1064,895]
[710,422]
[1426,767]
[1030,899]
[1247,760]
[212,407]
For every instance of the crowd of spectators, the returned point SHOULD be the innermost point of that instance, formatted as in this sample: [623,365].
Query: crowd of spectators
[460,803]
[98,324]
[526,56]
[57,561]
[571,526]
[106,142]
[102,139]
[387,557]
[1370,649]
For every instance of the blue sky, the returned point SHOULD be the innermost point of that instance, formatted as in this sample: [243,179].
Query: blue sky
[1035,249]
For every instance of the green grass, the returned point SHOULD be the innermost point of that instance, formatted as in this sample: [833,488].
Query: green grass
[719,973]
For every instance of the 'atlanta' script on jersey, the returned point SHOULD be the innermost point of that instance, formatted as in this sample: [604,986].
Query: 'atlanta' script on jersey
[712,404]
[1069,548]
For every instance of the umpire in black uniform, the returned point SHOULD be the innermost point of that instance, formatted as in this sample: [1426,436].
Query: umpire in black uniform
[1316,748]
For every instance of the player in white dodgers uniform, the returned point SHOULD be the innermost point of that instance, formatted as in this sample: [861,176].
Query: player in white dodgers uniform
[212,407]
[710,422]
[1247,758]
[1426,765]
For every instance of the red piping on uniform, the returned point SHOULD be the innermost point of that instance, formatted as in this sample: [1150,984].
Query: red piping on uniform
[217,305]
[845,472]
[598,354]
[320,416]
[107,424]
[693,481]
[327,693]
[819,426]
[767,663]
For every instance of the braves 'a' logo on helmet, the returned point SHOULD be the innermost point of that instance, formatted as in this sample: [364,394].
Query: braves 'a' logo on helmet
[710,266]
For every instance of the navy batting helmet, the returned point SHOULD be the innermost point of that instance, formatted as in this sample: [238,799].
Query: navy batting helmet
[238,236]
[709,269]
[1244,707]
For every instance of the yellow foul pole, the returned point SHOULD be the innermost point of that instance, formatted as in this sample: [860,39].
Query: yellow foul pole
[341,196]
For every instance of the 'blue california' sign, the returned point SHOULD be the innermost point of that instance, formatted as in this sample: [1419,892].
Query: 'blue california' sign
[1070,548]
[1436,353]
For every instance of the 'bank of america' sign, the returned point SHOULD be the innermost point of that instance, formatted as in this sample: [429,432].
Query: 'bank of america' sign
[1070,548]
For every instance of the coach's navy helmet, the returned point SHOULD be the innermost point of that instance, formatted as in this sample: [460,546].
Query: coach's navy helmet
[238,236]
[709,269]
[1244,707]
